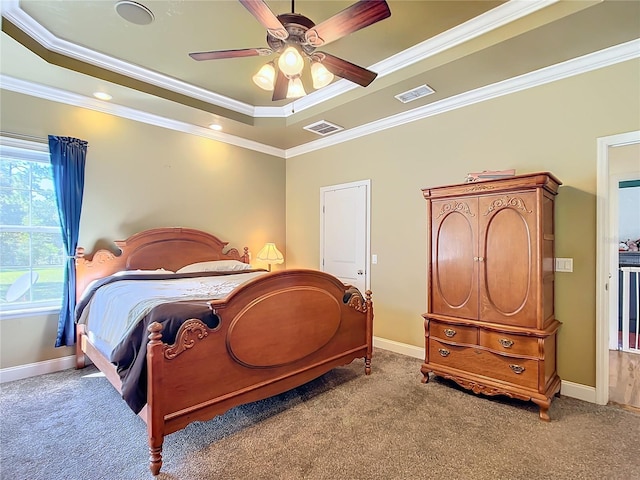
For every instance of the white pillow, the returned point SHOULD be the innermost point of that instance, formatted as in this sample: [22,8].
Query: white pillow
[215,266]
[141,272]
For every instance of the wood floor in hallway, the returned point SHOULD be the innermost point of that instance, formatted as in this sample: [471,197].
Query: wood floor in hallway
[624,378]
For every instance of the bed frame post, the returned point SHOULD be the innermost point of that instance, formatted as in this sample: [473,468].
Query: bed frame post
[81,360]
[369,307]
[155,415]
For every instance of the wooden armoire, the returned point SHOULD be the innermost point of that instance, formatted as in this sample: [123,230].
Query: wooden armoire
[490,323]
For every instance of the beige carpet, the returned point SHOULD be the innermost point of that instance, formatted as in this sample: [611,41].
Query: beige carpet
[73,425]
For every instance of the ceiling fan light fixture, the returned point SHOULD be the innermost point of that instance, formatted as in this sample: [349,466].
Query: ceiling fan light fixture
[295,89]
[291,62]
[321,76]
[265,78]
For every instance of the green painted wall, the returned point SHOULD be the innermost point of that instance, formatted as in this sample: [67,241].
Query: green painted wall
[140,176]
[552,127]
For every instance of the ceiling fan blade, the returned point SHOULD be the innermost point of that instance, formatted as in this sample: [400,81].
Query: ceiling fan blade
[265,16]
[280,87]
[347,70]
[218,54]
[353,18]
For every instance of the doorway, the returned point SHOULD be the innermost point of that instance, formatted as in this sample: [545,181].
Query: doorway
[610,172]
[345,232]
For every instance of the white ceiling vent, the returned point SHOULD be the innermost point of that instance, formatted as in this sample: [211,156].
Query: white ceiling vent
[416,93]
[323,128]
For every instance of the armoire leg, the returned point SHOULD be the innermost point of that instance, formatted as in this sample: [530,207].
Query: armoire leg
[544,409]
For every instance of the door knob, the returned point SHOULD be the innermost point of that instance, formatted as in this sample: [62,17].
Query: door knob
[360,272]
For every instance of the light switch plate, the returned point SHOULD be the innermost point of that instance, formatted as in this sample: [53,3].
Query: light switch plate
[564,264]
[374,258]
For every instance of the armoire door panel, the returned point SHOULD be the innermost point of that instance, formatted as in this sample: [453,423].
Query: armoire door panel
[508,253]
[454,270]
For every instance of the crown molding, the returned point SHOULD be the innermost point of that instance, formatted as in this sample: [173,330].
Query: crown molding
[475,27]
[603,58]
[499,16]
[76,100]
[593,61]
[12,12]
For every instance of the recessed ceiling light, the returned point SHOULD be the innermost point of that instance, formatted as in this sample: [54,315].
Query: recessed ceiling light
[215,126]
[134,12]
[102,96]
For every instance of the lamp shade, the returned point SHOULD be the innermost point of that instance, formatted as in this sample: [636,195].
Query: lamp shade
[265,77]
[295,88]
[270,254]
[291,62]
[321,76]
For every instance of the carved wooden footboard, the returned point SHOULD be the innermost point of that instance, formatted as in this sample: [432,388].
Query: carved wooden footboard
[276,333]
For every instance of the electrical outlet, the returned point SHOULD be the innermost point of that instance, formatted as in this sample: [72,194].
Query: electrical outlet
[564,264]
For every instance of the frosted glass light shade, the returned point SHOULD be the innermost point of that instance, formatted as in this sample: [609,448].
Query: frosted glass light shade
[295,89]
[291,62]
[265,78]
[321,76]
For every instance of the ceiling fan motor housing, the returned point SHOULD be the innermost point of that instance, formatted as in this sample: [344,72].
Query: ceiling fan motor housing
[296,25]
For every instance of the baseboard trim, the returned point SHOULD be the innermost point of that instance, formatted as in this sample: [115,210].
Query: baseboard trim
[568,389]
[39,368]
[579,391]
[397,347]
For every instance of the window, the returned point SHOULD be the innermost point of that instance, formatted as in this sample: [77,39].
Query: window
[31,249]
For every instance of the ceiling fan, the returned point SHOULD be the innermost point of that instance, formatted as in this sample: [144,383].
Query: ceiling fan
[295,36]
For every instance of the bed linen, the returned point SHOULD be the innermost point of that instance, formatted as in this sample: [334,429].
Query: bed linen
[118,309]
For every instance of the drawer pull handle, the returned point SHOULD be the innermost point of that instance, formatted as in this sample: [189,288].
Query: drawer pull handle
[505,342]
[516,368]
[449,332]
[444,352]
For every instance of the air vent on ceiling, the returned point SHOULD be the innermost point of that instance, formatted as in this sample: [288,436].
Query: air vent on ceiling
[323,128]
[415,93]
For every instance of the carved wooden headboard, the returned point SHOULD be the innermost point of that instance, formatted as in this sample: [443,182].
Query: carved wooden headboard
[170,248]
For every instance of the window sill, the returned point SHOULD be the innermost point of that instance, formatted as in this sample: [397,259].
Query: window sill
[29,312]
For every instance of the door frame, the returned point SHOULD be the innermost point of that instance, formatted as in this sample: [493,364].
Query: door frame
[359,183]
[606,257]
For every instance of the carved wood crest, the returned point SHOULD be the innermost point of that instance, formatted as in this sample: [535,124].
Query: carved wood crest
[455,206]
[358,303]
[191,331]
[480,188]
[484,389]
[507,201]
[100,257]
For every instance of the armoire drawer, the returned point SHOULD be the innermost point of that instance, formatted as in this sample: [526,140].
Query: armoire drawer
[519,371]
[509,343]
[453,333]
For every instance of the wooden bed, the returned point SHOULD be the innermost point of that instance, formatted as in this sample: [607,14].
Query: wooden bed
[275,333]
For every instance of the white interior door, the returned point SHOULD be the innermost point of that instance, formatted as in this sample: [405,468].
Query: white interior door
[607,256]
[344,232]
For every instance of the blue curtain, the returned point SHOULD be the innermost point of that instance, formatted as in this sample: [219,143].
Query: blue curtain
[68,156]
